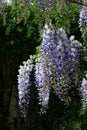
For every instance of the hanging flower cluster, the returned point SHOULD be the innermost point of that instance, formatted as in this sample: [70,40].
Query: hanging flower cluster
[83,18]
[83,21]
[83,29]
[24,84]
[83,90]
[47,5]
[55,64]
[55,67]
[76,47]
[46,65]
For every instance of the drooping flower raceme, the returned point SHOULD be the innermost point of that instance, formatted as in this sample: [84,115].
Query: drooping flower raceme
[46,64]
[83,90]
[69,49]
[24,85]
[64,59]
[42,83]
[75,72]
[52,67]
[59,58]
[83,18]
[83,21]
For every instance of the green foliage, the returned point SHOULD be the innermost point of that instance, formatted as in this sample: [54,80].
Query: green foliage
[67,16]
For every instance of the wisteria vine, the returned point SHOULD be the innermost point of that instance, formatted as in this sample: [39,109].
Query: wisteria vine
[24,85]
[83,21]
[83,89]
[56,66]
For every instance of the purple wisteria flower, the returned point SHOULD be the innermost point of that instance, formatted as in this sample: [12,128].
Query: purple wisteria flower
[76,46]
[24,84]
[64,58]
[69,64]
[83,18]
[83,90]
[52,67]
[45,67]
[58,59]
[47,5]
[83,21]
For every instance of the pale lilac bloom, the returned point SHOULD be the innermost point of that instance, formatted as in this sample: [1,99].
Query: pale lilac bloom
[45,67]
[83,23]
[59,58]
[64,60]
[83,90]
[76,46]
[24,85]
[83,18]
[52,67]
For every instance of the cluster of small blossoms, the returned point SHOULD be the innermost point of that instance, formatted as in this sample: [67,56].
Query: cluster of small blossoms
[58,59]
[83,21]
[76,47]
[54,65]
[45,68]
[64,58]
[83,29]
[47,5]
[42,83]
[69,51]
[83,90]
[83,18]
[24,85]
